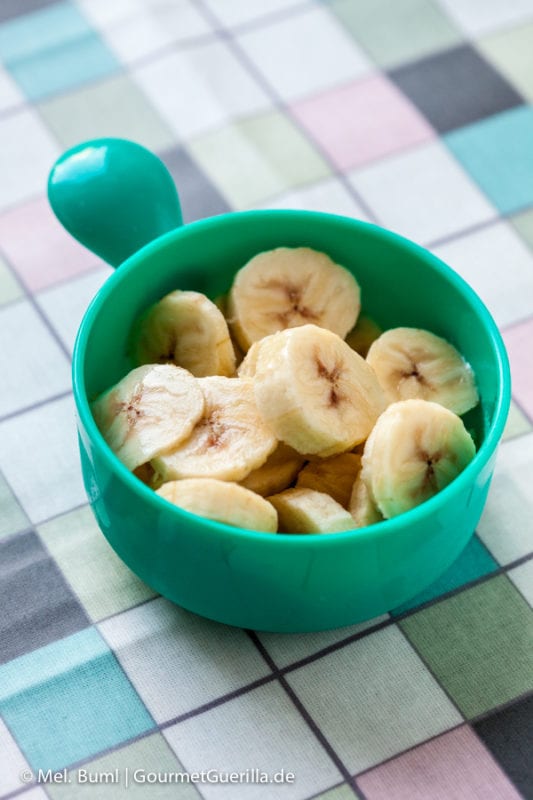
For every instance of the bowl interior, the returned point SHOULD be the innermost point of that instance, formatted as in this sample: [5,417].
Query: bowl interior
[401,284]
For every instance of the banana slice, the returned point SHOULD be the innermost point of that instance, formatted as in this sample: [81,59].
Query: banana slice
[307,511]
[188,329]
[361,506]
[221,303]
[414,363]
[277,473]
[315,392]
[249,362]
[222,501]
[287,287]
[415,449]
[149,412]
[229,441]
[363,335]
[334,476]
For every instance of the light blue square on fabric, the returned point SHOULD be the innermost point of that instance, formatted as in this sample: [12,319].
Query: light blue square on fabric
[69,700]
[498,154]
[54,49]
[474,562]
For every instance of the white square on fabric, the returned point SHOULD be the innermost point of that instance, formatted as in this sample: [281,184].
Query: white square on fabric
[373,699]
[65,305]
[199,88]
[32,365]
[40,460]
[27,153]
[480,16]
[139,29]
[498,266]
[328,196]
[286,649]
[162,647]
[13,762]
[304,54]
[261,729]
[181,14]
[506,526]
[522,577]
[238,12]
[423,194]
[10,94]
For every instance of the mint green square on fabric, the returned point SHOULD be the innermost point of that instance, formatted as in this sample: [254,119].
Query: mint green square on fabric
[102,582]
[69,700]
[478,644]
[523,223]
[474,562]
[398,31]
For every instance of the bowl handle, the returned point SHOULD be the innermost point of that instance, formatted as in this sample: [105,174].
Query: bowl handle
[113,196]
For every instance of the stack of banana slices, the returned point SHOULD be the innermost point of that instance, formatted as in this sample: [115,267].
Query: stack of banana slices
[279,408]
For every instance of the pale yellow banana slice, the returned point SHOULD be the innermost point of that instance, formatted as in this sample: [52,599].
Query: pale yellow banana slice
[287,287]
[188,329]
[334,476]
[221,303]
[222,501]
[228,442]
[249,362]
[361,506]
[277,473]
[316,393]
[307,511]
[414,363]
[361,337]
[415,449]
[149,412]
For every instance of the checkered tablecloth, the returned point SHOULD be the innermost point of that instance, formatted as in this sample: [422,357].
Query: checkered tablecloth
[410,113]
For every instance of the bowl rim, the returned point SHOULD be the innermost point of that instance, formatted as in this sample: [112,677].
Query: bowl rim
[379,530]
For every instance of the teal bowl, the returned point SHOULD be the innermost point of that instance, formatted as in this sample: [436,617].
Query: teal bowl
[264,581]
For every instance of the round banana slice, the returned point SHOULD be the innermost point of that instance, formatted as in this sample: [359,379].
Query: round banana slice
[413,363]
[361,506]
[287,287]
[317,394]
[149,412]
[308,511]
[363,335]
[334,476]
[222,501]
[229,441]
[277,473]
[248,364]
[415,449]
[188,329]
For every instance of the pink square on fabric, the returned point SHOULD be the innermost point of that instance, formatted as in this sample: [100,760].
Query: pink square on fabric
[519,343]
[362,121]
[454,766]
[39,249]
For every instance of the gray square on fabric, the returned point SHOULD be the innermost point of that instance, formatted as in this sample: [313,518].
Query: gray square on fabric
[36,604]
[199,198]
[455,88]
[508,734]
[16,8]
